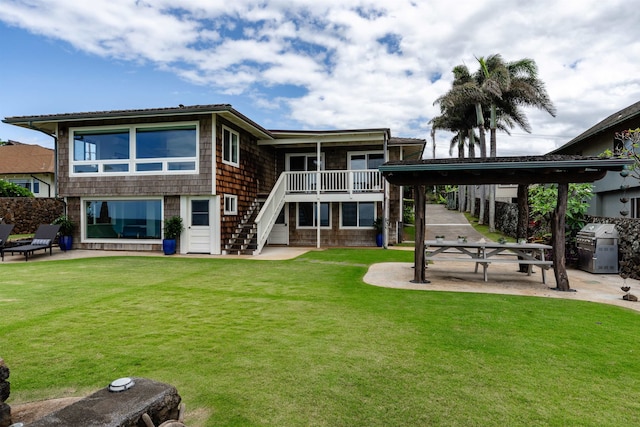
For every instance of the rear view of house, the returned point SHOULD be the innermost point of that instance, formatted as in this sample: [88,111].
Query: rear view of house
[237,186]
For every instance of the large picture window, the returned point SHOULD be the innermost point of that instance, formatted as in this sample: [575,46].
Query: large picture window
[171,148]
[230,146]
[358,214]
[123,219]
[307,214]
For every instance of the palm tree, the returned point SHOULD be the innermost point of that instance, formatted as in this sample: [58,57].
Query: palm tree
[451,120]
[510,86]
[460,105]
[498,90]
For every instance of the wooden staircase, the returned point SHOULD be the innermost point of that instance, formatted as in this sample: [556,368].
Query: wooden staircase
[244,241]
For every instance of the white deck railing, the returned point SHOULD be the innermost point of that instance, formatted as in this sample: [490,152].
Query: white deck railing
[334,181]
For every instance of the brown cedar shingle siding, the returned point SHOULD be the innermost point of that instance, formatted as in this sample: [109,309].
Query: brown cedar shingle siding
[255,175]
[152,185]
[330,237]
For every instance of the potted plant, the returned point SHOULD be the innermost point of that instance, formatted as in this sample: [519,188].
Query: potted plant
[378,224]
[439,239]
[65,241]
[462,239]
[172,229]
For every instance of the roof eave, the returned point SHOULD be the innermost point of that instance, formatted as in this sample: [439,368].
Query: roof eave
[49,122]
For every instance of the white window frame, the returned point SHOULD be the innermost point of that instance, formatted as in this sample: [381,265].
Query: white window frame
[306,155]
[232,201]
[315,209]
[350,154]
[358,227]
[237,147]
[132,161]
[83,220]
[28,183]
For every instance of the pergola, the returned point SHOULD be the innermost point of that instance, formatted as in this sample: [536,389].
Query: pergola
[556,169]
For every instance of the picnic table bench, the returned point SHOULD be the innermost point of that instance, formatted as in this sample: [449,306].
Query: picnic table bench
[486,253]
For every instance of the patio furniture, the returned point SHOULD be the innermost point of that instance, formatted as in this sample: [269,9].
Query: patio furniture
[486,253]
[5,231]
[42,240]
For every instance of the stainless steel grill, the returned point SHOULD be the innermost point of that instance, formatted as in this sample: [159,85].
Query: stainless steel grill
[598,248]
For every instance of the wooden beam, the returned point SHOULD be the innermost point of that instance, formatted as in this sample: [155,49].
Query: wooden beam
[558,239]
[418,256]
[493,177]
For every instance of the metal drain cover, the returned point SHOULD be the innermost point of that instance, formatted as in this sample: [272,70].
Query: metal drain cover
[121,384]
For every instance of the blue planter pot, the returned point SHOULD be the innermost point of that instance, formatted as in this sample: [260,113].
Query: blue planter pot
[169,246]
[379,241]
[65,242]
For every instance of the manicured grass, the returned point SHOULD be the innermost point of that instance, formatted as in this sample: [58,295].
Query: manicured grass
[306,342]
[484,229]
[409,232]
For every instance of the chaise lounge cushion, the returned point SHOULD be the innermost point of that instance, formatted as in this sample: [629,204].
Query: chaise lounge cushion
[41,242]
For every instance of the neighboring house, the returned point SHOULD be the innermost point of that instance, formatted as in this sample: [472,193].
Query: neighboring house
[596,140]
[237,185]
[29,166]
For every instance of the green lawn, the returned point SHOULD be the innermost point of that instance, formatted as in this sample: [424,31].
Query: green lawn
[306,342]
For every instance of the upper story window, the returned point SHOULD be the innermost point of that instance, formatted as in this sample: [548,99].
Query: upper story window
[304,162]
[142,149]
[230,146]
[365,160]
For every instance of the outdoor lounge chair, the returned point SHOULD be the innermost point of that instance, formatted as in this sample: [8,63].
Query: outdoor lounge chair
[42,240]
[5,231]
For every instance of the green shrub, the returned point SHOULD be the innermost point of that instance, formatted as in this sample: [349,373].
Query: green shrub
[9,189]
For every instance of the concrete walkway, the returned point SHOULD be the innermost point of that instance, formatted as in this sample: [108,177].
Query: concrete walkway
[441,221]
[503,278]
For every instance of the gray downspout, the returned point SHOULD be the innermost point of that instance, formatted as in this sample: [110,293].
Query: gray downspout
[45,183]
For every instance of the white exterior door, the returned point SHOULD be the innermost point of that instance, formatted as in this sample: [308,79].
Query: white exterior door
[199,226]
[280,232]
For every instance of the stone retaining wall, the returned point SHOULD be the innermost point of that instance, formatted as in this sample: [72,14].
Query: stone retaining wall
[5,410]
[27,213]
[628,230]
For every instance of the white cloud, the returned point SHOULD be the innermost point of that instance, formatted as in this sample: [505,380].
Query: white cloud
[365,63]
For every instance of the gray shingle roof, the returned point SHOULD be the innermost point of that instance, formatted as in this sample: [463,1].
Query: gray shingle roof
[627,113]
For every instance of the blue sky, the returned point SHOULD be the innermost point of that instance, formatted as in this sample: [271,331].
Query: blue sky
[314,64]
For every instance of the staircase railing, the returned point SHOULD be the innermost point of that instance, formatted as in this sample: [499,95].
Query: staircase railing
[269,211]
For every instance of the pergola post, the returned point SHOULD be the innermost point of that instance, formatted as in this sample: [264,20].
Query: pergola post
[558,238]
[522,230]
[528,170]
[419,261]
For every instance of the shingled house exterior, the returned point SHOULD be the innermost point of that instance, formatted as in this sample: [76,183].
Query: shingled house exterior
[237,185]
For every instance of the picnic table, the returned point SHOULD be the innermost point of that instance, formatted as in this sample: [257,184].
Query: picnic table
[486,253]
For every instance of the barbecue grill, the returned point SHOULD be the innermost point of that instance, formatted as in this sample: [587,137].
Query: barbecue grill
[598,248]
